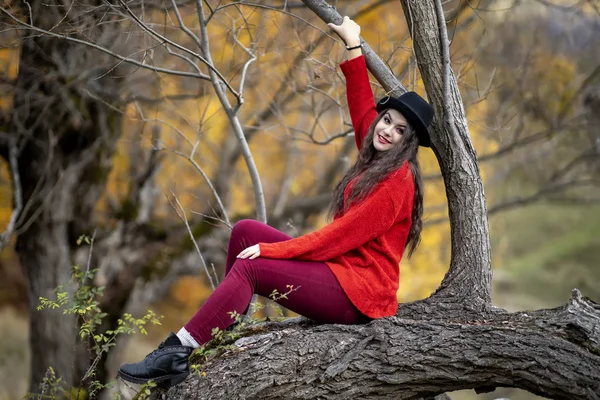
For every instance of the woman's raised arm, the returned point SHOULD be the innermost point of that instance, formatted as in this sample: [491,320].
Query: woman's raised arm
[361,102]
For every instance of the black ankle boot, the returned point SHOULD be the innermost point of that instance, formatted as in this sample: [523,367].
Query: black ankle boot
[168,364]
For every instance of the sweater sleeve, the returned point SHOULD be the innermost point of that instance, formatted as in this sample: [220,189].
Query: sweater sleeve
[362,223]
[361,102]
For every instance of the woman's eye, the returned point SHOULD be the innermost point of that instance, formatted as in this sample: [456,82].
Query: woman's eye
[387,121]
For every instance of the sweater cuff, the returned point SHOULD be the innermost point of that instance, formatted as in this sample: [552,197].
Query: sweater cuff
[266,250]
[356,65]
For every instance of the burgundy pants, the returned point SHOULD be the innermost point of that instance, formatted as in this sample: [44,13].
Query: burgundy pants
[319,296]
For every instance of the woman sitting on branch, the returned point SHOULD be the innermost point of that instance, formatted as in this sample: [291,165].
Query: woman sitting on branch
[348,271]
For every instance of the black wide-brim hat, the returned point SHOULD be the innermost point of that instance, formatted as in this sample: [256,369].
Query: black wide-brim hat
[415,109]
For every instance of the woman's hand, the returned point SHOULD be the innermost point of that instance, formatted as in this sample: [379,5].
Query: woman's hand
[349,31]
[251,252]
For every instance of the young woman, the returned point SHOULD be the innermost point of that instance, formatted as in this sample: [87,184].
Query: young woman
[346,272]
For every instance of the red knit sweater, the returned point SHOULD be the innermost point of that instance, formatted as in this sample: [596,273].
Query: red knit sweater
[363,246]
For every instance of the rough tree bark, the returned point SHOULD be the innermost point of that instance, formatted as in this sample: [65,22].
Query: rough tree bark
[455,339]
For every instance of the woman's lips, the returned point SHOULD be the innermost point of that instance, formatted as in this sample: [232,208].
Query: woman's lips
[383,140]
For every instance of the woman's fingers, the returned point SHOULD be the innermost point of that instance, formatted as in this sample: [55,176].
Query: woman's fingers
[251,252]
[256,254]
[347,30]
[244,253]
[337,27]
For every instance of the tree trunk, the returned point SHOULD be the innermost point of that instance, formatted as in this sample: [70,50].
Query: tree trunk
[470,273]
[66,140]
[44,254]
[454,339]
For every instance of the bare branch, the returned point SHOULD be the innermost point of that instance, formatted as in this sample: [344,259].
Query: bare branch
[256,5]
[233,120]
[561,7]
[165,40]
[190,158]
[245,68]
[183,217]
[183,27]
[330,138]
[26,26]
[543,195]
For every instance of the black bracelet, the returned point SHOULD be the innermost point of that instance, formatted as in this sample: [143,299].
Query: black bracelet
[355,47]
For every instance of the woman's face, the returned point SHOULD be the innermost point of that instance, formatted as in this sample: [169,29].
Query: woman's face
[389,130]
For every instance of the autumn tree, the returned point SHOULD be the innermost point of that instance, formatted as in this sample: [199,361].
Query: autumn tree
[60,141]
[140,251]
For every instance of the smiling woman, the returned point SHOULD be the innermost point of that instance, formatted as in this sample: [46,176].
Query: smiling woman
[376,210]
[389,130]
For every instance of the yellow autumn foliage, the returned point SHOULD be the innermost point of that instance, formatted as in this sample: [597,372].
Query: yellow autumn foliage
[9,62]
[6,203]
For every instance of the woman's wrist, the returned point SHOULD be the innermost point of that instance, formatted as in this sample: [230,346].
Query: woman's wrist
[352,42]
[353,54]
[354,48]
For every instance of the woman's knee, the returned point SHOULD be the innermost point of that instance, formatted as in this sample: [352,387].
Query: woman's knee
[242,227]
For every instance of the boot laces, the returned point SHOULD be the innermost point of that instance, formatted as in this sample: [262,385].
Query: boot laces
[160,347]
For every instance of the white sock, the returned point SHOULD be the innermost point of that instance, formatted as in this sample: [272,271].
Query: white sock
[187,339]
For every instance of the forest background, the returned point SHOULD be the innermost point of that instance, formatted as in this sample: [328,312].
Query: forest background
[529,77]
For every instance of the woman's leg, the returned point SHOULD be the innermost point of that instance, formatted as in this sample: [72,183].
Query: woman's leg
[245,233]
[317,294]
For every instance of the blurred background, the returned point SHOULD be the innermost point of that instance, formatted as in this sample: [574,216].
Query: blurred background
[121,153]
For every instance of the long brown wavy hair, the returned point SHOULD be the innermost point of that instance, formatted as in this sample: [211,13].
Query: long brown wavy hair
[377,165]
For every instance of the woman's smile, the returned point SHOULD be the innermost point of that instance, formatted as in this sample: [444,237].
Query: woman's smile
[389,130]
[383,140]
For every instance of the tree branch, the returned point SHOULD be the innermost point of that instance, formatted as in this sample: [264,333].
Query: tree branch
[377,67]
[26,26]
[164,40]
[183,217]
[558,356]
[233,120]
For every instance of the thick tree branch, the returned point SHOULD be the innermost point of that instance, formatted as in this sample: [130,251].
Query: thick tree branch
[553,353]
